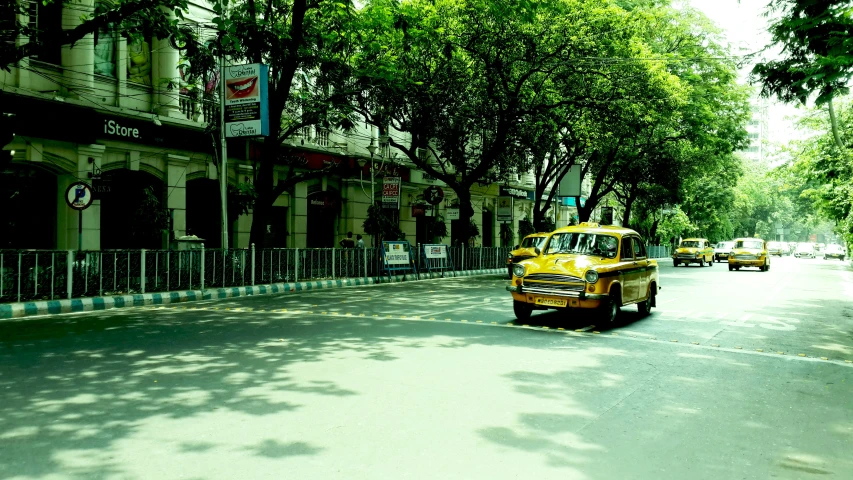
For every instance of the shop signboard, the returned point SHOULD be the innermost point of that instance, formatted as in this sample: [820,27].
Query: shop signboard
[391,192]
[505,209]
[607,215]
[246,103]
[570,185]
[453,214]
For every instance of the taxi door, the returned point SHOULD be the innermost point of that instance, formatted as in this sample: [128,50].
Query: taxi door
[641,261]
[629,271]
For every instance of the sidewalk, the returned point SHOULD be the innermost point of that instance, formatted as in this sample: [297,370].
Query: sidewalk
[54,307]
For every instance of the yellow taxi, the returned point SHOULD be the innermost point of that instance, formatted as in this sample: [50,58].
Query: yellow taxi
[525,250]
[694,250]
[749,252]
[586,266]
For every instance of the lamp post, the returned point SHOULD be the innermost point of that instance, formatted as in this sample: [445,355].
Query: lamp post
[372,149]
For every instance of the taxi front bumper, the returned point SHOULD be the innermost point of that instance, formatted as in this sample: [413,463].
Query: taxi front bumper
[746,263]
[581,295]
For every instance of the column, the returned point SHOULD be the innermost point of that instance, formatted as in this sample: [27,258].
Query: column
[300,215]
[176,193]
[167,78]
[78,61]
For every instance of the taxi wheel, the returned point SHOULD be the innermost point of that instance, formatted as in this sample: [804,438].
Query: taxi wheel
[610,310]
[645,308]
[522,310]
[702,262]
[711,262]
[731,267]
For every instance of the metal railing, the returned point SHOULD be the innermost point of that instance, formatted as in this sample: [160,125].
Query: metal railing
[659,251]
[28,275]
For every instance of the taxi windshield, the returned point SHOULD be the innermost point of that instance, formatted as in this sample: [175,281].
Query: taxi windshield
[754,244]
[584,244]
[531,242]
[690,244]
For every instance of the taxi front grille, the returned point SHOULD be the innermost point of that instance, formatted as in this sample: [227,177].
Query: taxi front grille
[552,288]
[547,277]
[686,255]
[746,257]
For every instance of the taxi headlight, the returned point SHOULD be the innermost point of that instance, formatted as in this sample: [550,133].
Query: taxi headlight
[591,276]
[518,270]
[509,257]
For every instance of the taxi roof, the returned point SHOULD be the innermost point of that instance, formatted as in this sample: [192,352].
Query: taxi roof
[747,238]
[537,234]
[694,239]
[596,228]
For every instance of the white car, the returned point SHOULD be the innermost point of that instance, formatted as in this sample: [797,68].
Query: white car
[722,250]
[834,251]
[805,250]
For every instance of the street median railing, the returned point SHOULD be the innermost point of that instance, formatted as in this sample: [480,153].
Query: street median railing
[659,251]
[28,275]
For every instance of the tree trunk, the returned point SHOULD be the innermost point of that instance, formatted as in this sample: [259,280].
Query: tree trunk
[629,204]
[585,211]
[834,123]
[466,213]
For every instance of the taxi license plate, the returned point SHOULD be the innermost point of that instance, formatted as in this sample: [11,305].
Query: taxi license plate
[550,302]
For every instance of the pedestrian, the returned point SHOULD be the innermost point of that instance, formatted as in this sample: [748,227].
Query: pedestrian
[359,243]
[347,242]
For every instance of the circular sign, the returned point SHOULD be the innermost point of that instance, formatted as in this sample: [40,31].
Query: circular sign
[433,195]
[79,196]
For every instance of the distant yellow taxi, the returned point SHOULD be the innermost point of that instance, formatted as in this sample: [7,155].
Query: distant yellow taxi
[749,252]
[694,250]
[525,250]
[586,266]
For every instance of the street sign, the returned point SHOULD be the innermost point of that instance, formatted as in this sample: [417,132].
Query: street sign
[453,214]
[246,103]
[570,185]
[79,195]
[433,195]
[391,192]
[505,209]
[607,215]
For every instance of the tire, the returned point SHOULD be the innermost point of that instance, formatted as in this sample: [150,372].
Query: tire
[731,268]
[610,310]
[674,263]
[522,310]
[702,262]
[711,263]
[645,308]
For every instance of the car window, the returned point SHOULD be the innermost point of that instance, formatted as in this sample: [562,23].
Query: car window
[690,244]
[627,249]
[639,248]
[531,242]
[753,244]
[583,243]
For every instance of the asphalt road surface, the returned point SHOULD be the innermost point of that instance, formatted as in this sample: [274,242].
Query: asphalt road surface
[736,375]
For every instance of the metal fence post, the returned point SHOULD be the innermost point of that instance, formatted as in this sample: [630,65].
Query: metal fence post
[142,271]
[333,263]
[365,262]
[296,265]
[36,277]
[101,274]
[168,269]
[52,273]
[19,276]
[481,258]
[253,264]
[128,273]
[70,272]
[201,254]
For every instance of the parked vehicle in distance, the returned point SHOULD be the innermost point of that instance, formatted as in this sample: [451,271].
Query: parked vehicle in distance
[693,250]
[722,250]
[749,252]
[777,248]
[525,250]
[834,251]
[586,266]
[805,250]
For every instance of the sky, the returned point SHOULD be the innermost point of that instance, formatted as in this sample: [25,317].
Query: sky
[745,28]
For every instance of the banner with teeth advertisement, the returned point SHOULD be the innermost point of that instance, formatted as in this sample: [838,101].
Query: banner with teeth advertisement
[246,104]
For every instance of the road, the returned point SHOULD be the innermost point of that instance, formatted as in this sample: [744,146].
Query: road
[735,375]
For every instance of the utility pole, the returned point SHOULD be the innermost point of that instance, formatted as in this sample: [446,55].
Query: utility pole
[223,163]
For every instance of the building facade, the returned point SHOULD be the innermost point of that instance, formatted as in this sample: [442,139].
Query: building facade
[116,115]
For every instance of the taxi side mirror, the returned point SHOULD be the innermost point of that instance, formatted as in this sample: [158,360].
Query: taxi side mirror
[537,250]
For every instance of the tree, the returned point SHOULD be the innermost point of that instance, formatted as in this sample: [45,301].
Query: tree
[306,44]
[815,38]
[461,77]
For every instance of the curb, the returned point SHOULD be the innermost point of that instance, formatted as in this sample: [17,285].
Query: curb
[55,307]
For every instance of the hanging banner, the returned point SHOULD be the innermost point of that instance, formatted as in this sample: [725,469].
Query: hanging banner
[246,103]
[391,192]
[505,209]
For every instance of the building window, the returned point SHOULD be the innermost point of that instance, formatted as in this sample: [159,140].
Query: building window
[45,23]
[139,60]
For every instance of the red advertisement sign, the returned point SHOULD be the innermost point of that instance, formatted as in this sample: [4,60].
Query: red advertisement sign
[391,192]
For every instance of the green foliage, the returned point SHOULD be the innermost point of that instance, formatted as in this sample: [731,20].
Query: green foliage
[525,228]
[151,218]
[241,199]
[674,226]
[382,225]
[507,235]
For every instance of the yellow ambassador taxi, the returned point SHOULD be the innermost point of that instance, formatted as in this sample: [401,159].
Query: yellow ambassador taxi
[749,252]
[586,266]
[525,250]
[693,250]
